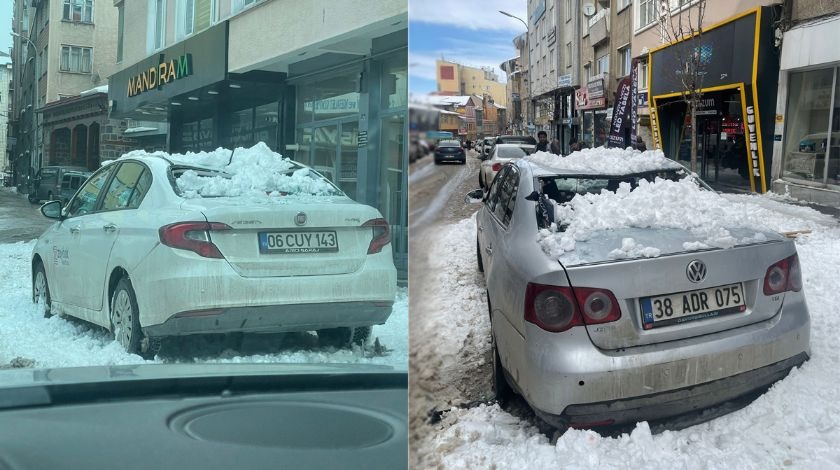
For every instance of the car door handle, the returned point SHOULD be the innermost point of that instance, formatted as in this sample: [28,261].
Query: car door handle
[480,228]
[75,229]
[109,227]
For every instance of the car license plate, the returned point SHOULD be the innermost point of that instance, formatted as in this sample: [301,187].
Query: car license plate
[681,307]
[298,242]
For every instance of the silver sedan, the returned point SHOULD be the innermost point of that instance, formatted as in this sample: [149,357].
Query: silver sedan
[501,154]
[607,341]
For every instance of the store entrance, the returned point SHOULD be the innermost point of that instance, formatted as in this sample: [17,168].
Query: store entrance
[332,149]
[722,156]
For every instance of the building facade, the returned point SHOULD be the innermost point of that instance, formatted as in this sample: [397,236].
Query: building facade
[458,80]
[806,150]
[5,110]
[231,73]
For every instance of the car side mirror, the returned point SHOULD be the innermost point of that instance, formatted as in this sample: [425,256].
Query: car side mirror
[52,210]
[475,196]
[534,196]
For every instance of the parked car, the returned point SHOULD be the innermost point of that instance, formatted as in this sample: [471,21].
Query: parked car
[46,185]
[450,150]
[606,340]
[419,149]
[502,153]
[152,247]
[487,146]
[71,181]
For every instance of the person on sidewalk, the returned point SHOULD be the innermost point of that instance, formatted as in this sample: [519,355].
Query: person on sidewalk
[555,147]
[542,145]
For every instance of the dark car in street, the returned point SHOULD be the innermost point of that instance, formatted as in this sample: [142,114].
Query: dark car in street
[450,151]
[46,185]
[71,181]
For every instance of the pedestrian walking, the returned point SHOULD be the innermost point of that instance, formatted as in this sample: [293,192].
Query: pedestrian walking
[542,145]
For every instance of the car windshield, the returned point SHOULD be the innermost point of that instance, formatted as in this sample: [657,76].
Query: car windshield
[525,139]
[562,188]
[512,152]
[449,143]
[192,182]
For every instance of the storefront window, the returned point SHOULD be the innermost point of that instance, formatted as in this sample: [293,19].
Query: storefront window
[602,129]
[266,120]
[241,128]
[331,98]
[395,83]
[586,137]
[834,151]
[196,135]
[807,127]
[349,165]
[392,199]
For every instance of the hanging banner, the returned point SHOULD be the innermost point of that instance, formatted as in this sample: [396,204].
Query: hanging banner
[620,114]
[634,102]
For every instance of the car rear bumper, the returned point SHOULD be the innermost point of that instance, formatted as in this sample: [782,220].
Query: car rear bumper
[675,402]
[274,318]
[573,377]
[190,283]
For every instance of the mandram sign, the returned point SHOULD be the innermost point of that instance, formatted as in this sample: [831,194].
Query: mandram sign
[165,72]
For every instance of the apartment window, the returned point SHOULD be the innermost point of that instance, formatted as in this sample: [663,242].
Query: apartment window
[239,5]
[603,64]
[80,11]
[120,31]
[587,72]
[156,33]
[76,59]
[624,3]
[568,54]
[625,60]
[195,15]
[647,12]
[643,78]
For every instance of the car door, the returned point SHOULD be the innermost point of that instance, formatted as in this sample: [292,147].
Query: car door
[499,221]
[101,230]
[80,246]
[485,223]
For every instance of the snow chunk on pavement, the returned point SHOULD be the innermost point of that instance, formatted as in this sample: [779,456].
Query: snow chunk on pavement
[605,161]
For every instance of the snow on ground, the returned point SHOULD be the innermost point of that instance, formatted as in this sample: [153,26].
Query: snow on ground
[61,342]
[794,425]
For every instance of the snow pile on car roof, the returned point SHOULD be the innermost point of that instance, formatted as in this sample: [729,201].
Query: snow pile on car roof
[604,161]
[685,217]
[257,171]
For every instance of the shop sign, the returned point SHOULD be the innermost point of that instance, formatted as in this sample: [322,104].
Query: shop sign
[564,80]
[634,102]
[157,76]
[595,88]
[583,100]
[619,113]
[347,103]
[707,106]
[753,140]
[654,128]
[642,99]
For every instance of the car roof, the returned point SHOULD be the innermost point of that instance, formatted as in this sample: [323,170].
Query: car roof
[538,170]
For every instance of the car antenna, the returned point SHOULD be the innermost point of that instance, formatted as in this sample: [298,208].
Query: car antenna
[231,157]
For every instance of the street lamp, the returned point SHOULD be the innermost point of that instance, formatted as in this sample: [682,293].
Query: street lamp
[35,91]
[528,47]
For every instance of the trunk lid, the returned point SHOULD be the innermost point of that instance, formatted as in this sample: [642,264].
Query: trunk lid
[633,279]
[266,240]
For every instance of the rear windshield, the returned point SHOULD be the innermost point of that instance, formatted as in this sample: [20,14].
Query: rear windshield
[449,143]
[524,139]
[512,152]
[195,182]
[563,188]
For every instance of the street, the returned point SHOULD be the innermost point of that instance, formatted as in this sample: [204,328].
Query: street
[455,422]
[19,219]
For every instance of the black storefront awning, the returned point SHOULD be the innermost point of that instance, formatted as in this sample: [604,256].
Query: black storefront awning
[144,90]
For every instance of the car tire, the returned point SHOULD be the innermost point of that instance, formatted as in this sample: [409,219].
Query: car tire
[41,288]
[478,256]
[361,335]
[125,322]
[501,388]
[343,337]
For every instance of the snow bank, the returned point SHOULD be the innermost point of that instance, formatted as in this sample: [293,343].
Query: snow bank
[707,219]
[65,342]
[604,161]
[253,172]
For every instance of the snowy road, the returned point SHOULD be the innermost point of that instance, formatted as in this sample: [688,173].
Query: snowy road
[794,425]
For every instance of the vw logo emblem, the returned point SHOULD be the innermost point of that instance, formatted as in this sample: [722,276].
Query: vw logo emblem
[696,271]
[300,218]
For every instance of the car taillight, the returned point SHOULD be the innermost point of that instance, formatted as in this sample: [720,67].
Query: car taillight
[557,309]
[192,236]
[497,167]
[783,276]
[381,234]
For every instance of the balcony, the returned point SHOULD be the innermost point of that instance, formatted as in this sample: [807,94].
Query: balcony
[599,26]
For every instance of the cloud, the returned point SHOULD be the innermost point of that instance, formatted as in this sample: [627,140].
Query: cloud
[488,51]
[473,14]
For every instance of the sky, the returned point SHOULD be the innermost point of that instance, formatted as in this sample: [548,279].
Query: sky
[470,32]
[6,8]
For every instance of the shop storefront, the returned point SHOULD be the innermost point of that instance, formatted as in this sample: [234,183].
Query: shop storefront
[808,115]
[734,113]
[591,104]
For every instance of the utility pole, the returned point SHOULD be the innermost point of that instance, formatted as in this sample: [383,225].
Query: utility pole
[528,47]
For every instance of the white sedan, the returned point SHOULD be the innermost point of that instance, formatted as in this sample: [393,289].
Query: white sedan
[502,153]
[155,245]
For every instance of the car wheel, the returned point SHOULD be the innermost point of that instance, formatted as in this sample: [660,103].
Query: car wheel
[343,337]
[478,256]
[125,322]
[41,289]
[480,179]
